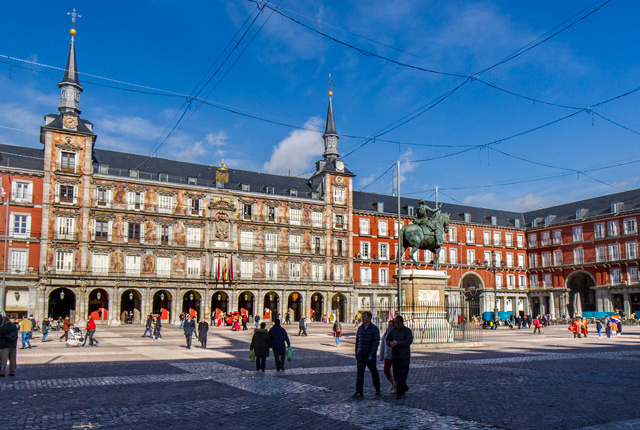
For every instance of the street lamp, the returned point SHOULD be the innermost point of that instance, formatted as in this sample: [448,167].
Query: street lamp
[162,296]
[493,265]
[98,295]
[219,296]
[191,296]
[62,295]
[130,296]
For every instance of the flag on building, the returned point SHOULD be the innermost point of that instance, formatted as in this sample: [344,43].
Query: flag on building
[231,269]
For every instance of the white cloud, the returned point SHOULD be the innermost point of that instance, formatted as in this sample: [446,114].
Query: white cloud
[528,202]
[295,153]
[184,150]
[405,166]
[480,200]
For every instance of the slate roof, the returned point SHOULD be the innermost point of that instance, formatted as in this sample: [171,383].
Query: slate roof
[22,158]
[368,202]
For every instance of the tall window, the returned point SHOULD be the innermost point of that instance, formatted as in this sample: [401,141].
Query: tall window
[271,214]
[547,280]
[246,240]
[103,197]
[533,260]
[164,234]
[165,204]
[632,275]
[557,237]
[316,219]
[100,264]
[599,231]
[102,230]
[471,256]
[533,281]
[453,256]
[383,251]
[520,241]
[396,228]
[194,236]
[340,247]
[295,243]
[21,192]
[20,225]
[486,238]
[522,282]
[533,240]
[295,216]
[498,280]
[383,229]
[453,234]
[339,221]
[134,231]
[545,238]
[246,269]
[383,276]
[557,258]
[471,236]
[578,256]
[520,260]
[612,227]
[66,193]
[630,226]
[294,271]
[497,238]
[163,266]
[64,261]
[316,245]
[247,211]
[511,281]
[614,252]
[68,161]
[271,270]
[271,242]
[317,272]
[339,272]
[577,234]
[508,239]
[339,196]
[616,275]
[509,259]
[195,207]
[545,259]
[18,261]
[631,250]
[193,266]
[365,275]
[364,226]
[365,250]
[132,264]
[135,200]
[601,253]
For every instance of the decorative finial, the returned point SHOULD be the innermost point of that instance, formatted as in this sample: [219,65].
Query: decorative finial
[73,15]
[330,87]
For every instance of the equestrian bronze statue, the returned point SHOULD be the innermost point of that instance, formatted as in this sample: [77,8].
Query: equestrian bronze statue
[426,232]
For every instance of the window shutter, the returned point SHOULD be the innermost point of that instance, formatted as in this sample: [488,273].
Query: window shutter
[14,190]
[141,231]
[126,232]
[12,220]
[110,231]
[93,229]
[189,210]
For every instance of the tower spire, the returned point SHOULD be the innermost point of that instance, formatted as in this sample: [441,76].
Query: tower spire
[330,135]
[70,87]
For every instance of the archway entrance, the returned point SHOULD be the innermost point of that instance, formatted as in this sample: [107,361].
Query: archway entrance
[191,304]
[271,302]
[317,306]
[294,306]
[338,307]
[162,304]
[99,304]
[581,297]
[245,301]
[130,305]
[62,303]
[219,303]
[472,289]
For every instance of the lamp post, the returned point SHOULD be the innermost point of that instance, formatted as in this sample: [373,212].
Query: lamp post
[493,265]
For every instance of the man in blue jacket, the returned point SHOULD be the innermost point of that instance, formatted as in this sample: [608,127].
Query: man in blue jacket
[189,327]
[367,341]
[279,337]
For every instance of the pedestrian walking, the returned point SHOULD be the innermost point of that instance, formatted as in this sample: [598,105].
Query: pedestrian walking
[157,329]
[287,319]
[256,320]
[91,329]
[607,325]
[46,327]
[279,338]
[244,322]
[537,326]
[400,339]
[26,327]
[337,332]
[599,328]
[182,318]
[303,326]
[385,356]
[367,341]
[203,329]
[8,345]
[148,326]
[189,327]
[66,326]
[260,344]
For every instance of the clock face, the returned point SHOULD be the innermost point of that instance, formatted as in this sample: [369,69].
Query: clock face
[339,165]
[69,121]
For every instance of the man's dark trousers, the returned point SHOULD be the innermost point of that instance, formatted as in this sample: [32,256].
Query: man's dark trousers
[401,371]
[188,336]
[279,357]
[363,361]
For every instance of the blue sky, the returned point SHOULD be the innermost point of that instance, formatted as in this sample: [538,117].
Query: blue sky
[139,62]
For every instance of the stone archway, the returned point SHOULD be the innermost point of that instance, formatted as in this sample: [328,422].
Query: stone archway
[271,302]
[246,301]
[339,308]
[162,304]
[294,305]
[317,307]
[582,298]
[62,303]
[219,304]
[191,302]
[130,307]
[472,287]
[98,305]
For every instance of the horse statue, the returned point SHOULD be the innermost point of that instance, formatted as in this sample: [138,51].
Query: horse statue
[414,236]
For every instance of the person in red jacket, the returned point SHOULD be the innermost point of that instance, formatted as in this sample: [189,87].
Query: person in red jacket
[91,329]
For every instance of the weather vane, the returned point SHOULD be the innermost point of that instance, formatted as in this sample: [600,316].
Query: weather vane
[330,87]
[73,15]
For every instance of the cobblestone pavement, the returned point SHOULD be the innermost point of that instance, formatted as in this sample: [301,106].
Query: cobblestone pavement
[512,380]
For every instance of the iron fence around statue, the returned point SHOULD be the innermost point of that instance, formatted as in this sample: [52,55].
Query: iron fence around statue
[434,323]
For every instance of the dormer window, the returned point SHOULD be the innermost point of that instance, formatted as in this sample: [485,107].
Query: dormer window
[293,193]
[615,208]
[467,217]
[580,213]
[245,187]
[134,173]
[411,211]
[269,190]
[380,207]
[163,177]
[315,195]
[219,184]
[192,181]
[494,220]
[516,223]
[103,169]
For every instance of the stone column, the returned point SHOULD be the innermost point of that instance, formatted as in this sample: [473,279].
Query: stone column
[626,304]
[113,312]
[205,302]
[175,299]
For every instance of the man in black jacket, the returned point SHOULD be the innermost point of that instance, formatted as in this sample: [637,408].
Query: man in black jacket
[400,339]
[148,325]
[367,341]
[189,327]
[8,344]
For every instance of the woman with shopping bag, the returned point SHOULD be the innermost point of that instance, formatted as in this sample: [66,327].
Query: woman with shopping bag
[260,344]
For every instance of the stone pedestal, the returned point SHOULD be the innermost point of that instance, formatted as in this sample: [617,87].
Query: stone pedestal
[423,307]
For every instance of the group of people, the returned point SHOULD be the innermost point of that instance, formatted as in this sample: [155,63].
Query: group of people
[276,339]
[580,327]
[153,326]
[395,351]
[189,327]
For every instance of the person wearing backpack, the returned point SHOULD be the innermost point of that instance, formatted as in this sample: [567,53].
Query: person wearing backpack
[599,328]
[8,344]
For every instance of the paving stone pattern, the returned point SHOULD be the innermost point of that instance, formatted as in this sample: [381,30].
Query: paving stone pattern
[513,380]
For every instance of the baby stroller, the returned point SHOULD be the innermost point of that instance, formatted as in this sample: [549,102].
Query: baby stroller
[75,337]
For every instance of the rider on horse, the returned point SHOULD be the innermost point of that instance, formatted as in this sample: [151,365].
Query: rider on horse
[427,222]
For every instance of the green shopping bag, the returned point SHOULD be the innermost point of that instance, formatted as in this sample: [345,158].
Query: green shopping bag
[252,356]
[289,354]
